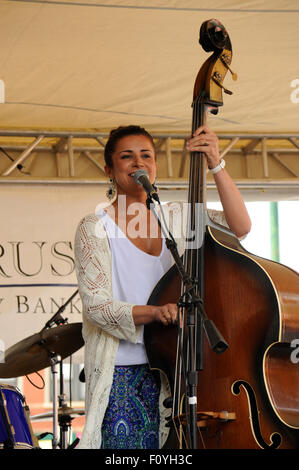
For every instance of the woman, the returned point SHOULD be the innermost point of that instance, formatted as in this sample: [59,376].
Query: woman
[118,263]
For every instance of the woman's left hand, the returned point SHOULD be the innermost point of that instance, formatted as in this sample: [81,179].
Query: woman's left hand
[206,141]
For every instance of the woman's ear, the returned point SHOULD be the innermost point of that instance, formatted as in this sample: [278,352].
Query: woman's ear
[109,172]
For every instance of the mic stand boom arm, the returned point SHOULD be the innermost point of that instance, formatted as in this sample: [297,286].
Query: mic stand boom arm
[57,319]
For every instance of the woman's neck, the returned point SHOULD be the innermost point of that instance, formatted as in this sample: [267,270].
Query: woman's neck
[131,213]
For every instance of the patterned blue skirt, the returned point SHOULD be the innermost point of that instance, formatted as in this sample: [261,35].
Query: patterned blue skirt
[132,417]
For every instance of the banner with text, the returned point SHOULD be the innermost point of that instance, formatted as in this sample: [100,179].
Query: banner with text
[37,269]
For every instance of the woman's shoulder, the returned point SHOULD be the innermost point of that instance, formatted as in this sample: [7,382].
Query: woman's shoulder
[91,225]
[218,217]
[89,219]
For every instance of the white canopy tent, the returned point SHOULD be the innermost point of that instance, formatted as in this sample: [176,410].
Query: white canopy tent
[94,64]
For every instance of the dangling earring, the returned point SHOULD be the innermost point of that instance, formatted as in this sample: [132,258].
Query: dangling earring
[111,192]
[155,186]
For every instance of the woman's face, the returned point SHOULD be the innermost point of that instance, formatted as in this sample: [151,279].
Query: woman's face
[132,153]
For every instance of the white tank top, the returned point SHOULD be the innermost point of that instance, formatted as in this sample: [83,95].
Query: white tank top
[134,276]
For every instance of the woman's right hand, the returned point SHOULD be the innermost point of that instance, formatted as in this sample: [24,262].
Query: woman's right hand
[166,314]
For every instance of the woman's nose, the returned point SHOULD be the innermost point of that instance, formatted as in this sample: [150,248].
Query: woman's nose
[138,161]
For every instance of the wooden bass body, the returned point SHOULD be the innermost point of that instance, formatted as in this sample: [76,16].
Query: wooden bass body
[248,397]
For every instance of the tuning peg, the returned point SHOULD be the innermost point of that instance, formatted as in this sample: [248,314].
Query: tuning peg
[234,75]
[225,60]
[217,77]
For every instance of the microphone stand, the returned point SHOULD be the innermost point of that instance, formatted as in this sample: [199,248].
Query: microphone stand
[194,307]
[57,319]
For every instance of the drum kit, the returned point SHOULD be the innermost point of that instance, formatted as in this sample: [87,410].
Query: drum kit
[47,348]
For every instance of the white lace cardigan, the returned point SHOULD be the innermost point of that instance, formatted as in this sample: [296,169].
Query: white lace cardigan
[106,321]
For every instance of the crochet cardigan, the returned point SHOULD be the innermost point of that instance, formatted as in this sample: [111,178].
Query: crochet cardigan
[106,320]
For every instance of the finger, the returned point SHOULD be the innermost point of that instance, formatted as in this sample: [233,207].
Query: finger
[204,147]
[200,130]
[203,140]
[165,317]
[171,317]
[174,315]
[195,145]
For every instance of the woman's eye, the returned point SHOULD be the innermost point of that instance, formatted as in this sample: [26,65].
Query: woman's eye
[125,156]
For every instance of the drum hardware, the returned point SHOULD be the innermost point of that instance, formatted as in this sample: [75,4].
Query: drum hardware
[65,416]
[54,361]
[31,354]
[65,411]
[61,412]
[62,420]
[56,341]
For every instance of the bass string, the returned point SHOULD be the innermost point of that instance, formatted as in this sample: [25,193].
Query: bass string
[195,194]
[187,259]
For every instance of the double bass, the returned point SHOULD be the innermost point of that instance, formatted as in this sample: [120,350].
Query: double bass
[248,390]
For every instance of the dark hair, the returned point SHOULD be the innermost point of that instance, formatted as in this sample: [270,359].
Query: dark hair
[117,134]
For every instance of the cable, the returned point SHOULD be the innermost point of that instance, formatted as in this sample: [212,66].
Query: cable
[34,385]
[19,166]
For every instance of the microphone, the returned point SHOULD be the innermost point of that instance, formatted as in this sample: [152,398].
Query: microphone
[141,177]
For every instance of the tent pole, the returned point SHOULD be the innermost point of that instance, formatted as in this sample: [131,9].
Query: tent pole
[274,231]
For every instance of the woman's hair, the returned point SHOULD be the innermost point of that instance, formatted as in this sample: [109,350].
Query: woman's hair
[117,134]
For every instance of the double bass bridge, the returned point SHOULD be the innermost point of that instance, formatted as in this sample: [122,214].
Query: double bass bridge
[205,417]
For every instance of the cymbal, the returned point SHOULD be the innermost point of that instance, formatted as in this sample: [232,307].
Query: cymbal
[33,353]
[64,411]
